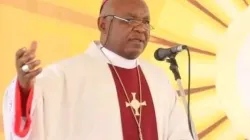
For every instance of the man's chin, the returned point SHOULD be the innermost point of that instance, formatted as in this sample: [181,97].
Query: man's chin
[134,53]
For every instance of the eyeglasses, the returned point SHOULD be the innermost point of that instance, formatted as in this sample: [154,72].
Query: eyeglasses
[134,22]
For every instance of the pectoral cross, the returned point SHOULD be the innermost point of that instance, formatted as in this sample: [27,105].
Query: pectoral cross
[135,104]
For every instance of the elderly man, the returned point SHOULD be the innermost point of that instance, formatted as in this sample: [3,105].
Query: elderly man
[106,93]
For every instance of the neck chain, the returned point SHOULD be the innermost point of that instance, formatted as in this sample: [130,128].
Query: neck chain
[126,94]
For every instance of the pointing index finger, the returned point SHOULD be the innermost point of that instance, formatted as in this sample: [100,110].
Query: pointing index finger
[32,48]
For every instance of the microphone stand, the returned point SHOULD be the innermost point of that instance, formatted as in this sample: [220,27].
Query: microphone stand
[174,68]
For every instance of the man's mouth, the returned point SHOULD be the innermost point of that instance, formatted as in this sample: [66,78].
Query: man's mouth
[137,40]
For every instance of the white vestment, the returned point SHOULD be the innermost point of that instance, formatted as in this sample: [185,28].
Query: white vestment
[76,99]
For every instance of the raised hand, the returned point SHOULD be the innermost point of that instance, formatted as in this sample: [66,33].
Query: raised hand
[27,66]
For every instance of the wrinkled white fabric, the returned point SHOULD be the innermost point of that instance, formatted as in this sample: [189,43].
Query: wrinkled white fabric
[67,105]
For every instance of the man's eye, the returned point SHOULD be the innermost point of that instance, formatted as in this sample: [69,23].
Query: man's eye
[146,21]
[130,19]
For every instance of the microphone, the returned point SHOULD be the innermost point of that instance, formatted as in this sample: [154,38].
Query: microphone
[162,53]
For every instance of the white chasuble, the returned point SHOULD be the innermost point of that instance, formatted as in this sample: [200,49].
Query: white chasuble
[76,99]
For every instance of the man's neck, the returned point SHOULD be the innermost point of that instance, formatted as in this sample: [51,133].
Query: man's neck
[116,59]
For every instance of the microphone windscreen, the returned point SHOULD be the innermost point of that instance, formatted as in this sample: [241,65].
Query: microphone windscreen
[159,54]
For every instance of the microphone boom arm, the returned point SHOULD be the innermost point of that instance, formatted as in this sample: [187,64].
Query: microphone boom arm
[174,68]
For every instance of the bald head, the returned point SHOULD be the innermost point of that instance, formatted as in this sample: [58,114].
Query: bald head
[106,7]
[122,21]
[112,6]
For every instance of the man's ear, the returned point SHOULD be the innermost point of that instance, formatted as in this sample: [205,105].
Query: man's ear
[101,25]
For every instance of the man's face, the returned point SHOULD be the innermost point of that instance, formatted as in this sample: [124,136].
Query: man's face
[130,28]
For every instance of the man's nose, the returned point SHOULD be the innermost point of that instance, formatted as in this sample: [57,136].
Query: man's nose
[141,28]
